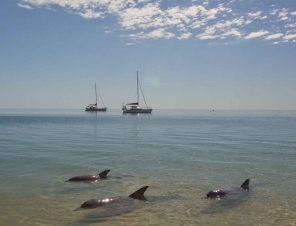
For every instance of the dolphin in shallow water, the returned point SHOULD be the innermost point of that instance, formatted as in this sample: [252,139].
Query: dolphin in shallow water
[94,203]
[220,193]
[102,175]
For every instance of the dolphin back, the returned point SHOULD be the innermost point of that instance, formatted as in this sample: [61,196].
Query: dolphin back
[104,174]
[245,185]
[139,194]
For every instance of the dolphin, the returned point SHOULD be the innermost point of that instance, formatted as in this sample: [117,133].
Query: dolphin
[220,193]
[94,203]
[102,175]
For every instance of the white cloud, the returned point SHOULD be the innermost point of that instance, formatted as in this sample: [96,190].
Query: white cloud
[49,8]
[273,12]
[256,34]
[289,36]
[290,25]
[229,23]
[148,16]
[212,13]
[90,14]
[151,16]
[197,24]
[248,21]
[283,13]
[204,37]
[274,36]
[210,30]
[182,14]
[254,15]
[275,43]
[182,27]
[156,34]
[144,19]
[116,6]
[284,18]
[291,31]
[222,29]
[88,9]
[185,36]
[24,6]
[232,32]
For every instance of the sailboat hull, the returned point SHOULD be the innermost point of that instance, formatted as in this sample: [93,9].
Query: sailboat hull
[95,109]
[137,111]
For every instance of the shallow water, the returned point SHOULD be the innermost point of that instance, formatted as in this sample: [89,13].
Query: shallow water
[180,154]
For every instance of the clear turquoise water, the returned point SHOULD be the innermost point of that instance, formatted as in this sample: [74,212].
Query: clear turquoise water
[180,154]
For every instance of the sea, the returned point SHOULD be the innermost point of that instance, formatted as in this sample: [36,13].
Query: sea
[179,154]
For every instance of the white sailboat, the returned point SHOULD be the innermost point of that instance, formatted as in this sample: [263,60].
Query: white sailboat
[94,107]
[135,107]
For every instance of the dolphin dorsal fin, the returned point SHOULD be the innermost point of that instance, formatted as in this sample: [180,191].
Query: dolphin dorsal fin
[246,184]
[139,194]
[104,174]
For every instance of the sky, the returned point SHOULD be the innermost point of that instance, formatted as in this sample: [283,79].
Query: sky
[190,54]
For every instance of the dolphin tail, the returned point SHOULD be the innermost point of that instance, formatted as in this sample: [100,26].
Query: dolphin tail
[104,174]
[245,185]
[139,194]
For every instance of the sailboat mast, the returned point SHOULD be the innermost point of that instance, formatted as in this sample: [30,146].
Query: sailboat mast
[96,94]
[137,89]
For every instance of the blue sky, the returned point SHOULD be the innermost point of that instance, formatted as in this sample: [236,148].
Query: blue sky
[190,54]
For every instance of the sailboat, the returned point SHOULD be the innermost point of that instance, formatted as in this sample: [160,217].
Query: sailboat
[94,107]
[135,107]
